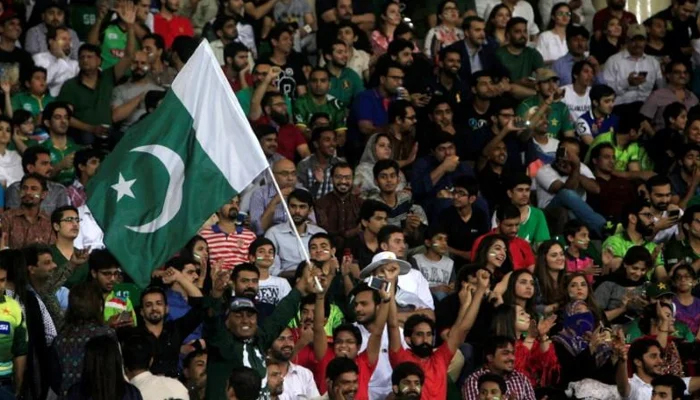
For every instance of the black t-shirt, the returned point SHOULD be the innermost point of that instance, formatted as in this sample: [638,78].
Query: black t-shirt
[477,128]
[461,235]
[493,186]
[292,74]
[361,254]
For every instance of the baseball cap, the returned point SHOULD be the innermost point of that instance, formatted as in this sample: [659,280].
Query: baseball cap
[659,289]
[239,303]
[545,74]
[636,30]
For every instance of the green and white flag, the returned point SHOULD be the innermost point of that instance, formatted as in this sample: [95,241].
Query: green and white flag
[174,168]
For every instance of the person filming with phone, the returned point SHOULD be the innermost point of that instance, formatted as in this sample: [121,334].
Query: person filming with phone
[548,101]
[666,215]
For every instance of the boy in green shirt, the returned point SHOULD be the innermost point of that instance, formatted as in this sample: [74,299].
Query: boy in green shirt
[533,225]
[104,269]
[36,97]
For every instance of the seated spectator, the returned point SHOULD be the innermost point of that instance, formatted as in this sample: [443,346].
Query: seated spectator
[128,105]
[476,114]
[55,59]
[566,182]
[663,146]
[245,280]
[682,251]
[666,215]
[401,130]
[496,24]
[522,10]
[521,61]
[615,9]
[224,28]
[577,242]
[552,43]
[105,272]
[194,367]
[228,239]
[446,81]
[577,46]
[271,289]
[298,380]
[10,160]
[684,178]
[435,265]
[338,211]
[477,52]
[345,83]
[161,71]
[577,92]
[10,53]
[631,73]
[637,230]
[389,20]
[138,358]
[542,148]
[319,100]
[28,223]
[407,381]
[677,77]
[608,38]
[37,160]
[292,81]
[445,32]
[314,171]
[685,303]
[357,59]
[378,148]
[631,160]
[34,98]
[533,225]
[373,216]
[53,18]
[508,218]
[615,192]
[236,66]
[600,119]
[620,293]
[548,100]
[284,238]
[290,140]
[85,164]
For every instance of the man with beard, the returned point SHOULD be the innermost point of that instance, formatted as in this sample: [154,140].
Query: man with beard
[548,102]
[338,211]
[245,280]
[289,255]
[162,73]
[110,31]
[679,19]
[298,381]
[615,9]
[170,25]
[370,107]
[236,67]
[236,9]
[29,223]
[128,98]
[638,231]
[476,53]
[235,340]
[499,352]
[168,336]
[53,16]
[418,333]
[59,66]
[447,81]
[631,158]
[194,373]
[357,59]
[500,148]
[275,381]
[407,381]
[401,131]
[647,364]
[345,83]
[106,273]
[520,60]
[683,250]
[56,118]
[291,141]
[685,179]
[418,70]
[677,77]
[226,33]
[228,239]
[566,182]
[666,215]
[347,339]
[318,100]
[477,115]
[291,80]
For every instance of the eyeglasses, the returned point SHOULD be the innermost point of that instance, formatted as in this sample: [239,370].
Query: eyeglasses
[563,14]
[70,219]
[460,193]
[112,274]
[647,215]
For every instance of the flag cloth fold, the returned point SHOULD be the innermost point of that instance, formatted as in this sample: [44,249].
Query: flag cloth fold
[174,168]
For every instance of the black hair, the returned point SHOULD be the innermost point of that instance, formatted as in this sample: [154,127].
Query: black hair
[634,208]
[36,177]
[13,261]
[468,183]
[57,214]
[572,227]
[154,290]
[192,355]
[243,267]
[442,54]
[669,67]
[137,351]
[509,294]
[480,74]
[673,110]
[158,40]
[233,48]
[649,314]
[50,108]
[435,101]
[406,369]
[413,321]
[490,26]
[180,261]
[184,47]
[573,31]
[597,149]
[398,45]
[21,116]
[385,233]
[153,97]
[657,180]
[102,374]
[52,33]
[369,207]
[317,132]
[259,242]
[434,230]
[402,28]
[578,67]
[302,196]
[96,50]
[221,20]
[682,150]
[382,165]
[328,47]
[355,331]
[676,384]
[269,96]
[33,70]
[497,379]
[339,366]
[440,138]
[31,156]
[322,235]
[467,22]
[637,254]
[552,13]
[311,300]
[340,165]
[481,257]
[397,109]
[245,382]
[689,214]
[640,347]
[82,156]
[497,342]
[102,259]
[514,21]
[599,91]
[628,123]
[507,211]
[316,116]
[364,287]
[277,31]
[32,252]
[519,178]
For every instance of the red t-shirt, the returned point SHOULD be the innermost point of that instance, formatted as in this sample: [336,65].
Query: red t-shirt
[306,358]
[289,137]
[520,251]
[365,373]
[434,368]
[170,29]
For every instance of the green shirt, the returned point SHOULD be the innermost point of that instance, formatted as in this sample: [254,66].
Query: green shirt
[677,251]
[244,97]
[13,334]
[619,243]
[113,45]
[67,176]
[79,275]
[535,229]
[346,86]
[334,320]
[681,332]
[305,108]
[82,18]
[29,102]
[623,157]
[92,106]
[559,118]
[116,303]
[522,65]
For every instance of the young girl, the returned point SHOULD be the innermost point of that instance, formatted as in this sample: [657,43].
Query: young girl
[687,305]
[577,240]
[493,255]
[446,32]
[552,42]
[10,161]
[521,290]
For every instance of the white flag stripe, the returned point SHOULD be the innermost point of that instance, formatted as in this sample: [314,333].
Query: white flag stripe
[221,126]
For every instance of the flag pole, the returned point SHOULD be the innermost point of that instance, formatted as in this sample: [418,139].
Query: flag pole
[289,216]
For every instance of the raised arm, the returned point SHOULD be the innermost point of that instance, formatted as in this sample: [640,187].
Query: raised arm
[320,339]
[459,330]
[374,343]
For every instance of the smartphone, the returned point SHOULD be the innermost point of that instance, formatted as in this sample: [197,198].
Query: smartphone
[124,316]
[307,28]
[643,73]
[521,123]
[376,283]
[561,153]
[674,214]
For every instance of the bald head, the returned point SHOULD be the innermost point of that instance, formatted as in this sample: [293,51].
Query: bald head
[285,173]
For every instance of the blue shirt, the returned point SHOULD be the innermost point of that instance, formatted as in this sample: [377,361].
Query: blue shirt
[177,308]
[425,192]
[563,66]
[588,124]
[368,105]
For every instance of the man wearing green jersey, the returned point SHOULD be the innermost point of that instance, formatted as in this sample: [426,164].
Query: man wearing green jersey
[317,100]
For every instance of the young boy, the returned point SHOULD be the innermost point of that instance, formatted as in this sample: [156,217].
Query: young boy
[271,289]
[577,241]
[35,98]
[600,119]
[435,265]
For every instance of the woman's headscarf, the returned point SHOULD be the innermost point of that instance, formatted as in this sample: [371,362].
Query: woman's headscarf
[574,335]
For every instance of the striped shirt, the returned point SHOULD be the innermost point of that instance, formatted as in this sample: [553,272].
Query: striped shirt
[517,384]
[232,248]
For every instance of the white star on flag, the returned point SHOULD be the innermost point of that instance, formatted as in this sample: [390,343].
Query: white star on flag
[123,187]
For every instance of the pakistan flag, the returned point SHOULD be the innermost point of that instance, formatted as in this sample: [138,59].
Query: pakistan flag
[174,168]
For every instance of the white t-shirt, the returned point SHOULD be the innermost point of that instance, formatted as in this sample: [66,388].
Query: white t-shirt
[578,105]
[436,272]
[414,282]
[551,46]
[272,290]
[547,175]
[550,148]
[668,233]
[640,390]
[154,387]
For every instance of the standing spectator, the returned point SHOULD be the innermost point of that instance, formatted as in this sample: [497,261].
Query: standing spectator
[446,32]
[59,66]
[110,32]
[228,239]
[169,25]
[552,43]
[632,73]
[37,160]
[118,309]
[314,172]
[338,211]
[520,61]
[84,321]
[53,18]
[85,164]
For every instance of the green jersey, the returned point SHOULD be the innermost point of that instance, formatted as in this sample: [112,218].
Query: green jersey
[305,107]
[619,243]
[559,118]
[677,251]
[522,65]
[66,176]
[13,335]
[681,332]
[79,274]
[27,101]
[116,303]
[623,156]
[534,229]
[335,318]
[346,86]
